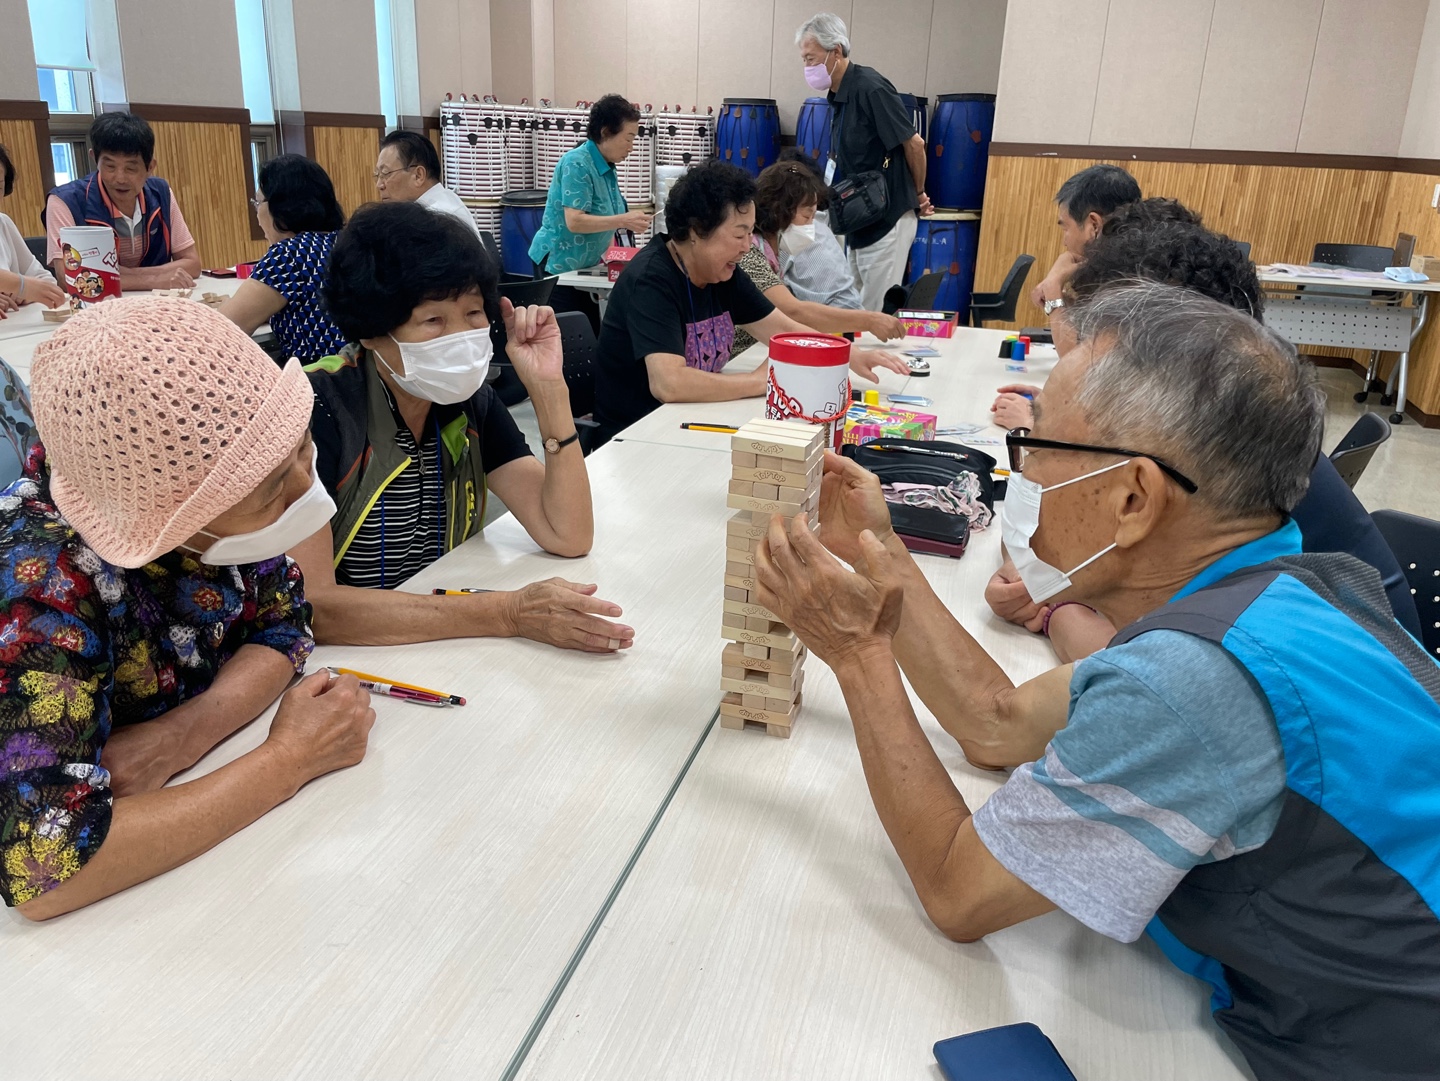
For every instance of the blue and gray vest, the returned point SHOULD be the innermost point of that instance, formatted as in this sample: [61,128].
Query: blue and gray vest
[89,205]
[1323,944]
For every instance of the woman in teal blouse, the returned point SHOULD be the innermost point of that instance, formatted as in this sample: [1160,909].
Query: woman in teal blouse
[584,206]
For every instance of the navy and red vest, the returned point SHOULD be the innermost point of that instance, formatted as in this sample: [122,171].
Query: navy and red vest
[90,205]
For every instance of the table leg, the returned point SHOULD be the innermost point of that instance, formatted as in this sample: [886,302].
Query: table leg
[1395,386]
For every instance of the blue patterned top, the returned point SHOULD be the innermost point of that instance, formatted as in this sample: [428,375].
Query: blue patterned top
[295,268]
[583,180]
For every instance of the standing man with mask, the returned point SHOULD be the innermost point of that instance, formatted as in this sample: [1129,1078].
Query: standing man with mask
[873,131]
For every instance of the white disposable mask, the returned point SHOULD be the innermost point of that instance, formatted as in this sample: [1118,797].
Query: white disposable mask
[302,518]
[1018,522]
[444,370]
[797,238]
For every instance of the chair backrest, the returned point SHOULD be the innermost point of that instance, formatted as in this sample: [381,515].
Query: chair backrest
[37,246]
[1404,249]
[1244,246]
[1416,544]
[17,425]
[1009,295]
[578,346]
[535,291]
[1354,256]
[1353,453]
[923,292]
[487,241]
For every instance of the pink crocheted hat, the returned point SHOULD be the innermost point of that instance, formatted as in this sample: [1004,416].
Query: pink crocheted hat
[158,415]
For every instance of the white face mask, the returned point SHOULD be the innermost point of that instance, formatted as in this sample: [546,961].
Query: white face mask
[797,238]
[444,370]
[1018,522]
[302,518]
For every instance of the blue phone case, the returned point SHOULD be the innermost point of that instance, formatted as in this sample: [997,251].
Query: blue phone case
[1010,1053]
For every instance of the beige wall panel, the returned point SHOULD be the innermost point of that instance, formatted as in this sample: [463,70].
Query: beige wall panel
[736,50]
[336,52]
[475,61]
[17,53]
[663,46]
[965,40]
[512,74]
[893,37]
[1257,69]
[200,46]
[1049,70]
[1150,72]
[28,199]
[453,42]
[348,155]
[542,59]
[1360,82]
[584,71]
[1421,136]
[787,74]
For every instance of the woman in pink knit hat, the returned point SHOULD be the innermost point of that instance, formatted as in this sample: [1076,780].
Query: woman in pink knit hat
[147,608]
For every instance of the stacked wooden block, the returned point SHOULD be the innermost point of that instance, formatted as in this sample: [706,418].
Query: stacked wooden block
[777,467]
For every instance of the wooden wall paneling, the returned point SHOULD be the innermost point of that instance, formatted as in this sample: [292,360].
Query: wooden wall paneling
[1407,209]
[205,164]
[348,155]
[21,139]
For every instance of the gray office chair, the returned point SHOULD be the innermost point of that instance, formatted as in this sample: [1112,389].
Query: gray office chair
[1001,306]
[37,246]
[17,425]
[1416,544]
[528,290]
[1353,453]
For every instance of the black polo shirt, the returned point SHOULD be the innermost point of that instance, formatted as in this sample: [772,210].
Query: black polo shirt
[873,127]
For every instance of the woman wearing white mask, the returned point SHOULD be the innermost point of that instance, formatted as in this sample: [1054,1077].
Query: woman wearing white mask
[147,608]
[411,441]
[787,196]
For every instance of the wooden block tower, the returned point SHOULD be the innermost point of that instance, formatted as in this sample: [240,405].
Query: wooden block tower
[777,468]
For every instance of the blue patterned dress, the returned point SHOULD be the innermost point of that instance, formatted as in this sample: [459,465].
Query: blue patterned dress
[295,268]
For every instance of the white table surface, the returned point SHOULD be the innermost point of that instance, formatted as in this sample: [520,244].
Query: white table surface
[598,282]
[1366,281]
[408,917]
[769,929]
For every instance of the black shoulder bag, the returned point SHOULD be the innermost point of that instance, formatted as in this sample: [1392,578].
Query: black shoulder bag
[859,200]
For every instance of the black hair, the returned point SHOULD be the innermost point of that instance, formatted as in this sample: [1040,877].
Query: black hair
[414,149]
[300,195]
[1177,252]
[1100,189]
[1144,213]
[702,199]
[608,116]
[780,191]
[795,154]
[394,256]
[7,171]
[122,133]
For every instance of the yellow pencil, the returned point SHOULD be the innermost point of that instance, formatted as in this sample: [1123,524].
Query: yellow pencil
[722,428]
[393,683]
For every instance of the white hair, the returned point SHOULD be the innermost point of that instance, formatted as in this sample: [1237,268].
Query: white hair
[828,30]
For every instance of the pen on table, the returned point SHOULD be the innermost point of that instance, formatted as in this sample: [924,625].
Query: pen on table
[368,680]
[457,592]
[723,428]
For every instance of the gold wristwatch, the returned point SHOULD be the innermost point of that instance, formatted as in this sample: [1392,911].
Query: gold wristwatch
[554,446]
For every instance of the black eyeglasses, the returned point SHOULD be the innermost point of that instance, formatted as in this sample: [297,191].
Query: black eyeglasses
[1018,441]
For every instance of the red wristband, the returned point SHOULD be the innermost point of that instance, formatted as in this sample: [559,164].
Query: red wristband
[1045,619]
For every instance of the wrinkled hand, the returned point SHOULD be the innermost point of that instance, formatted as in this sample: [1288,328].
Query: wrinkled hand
[176,278]
[567,614]
[925,209]
[851,503]
[533,342]
[636,221]
[43,291]
[1010,600]
[1012,409]
[323,724]
[141,757]
[837,613]
[864,362]
[885,327]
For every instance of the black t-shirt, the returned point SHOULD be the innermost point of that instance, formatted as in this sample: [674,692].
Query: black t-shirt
[874,126]
[655,309]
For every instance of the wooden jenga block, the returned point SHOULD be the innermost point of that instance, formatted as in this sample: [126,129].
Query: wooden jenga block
[740,524]
[776,662]
[735,714]
[732,672]
[742,487]
[734,542]
[794,478]
[756,651]
[752,701]
[769,506]
[767,461]
[742,459]
[737,568]
[747,582]
[732,621]
[733,593]
[757,623]
[792,495]
[736,557]
[771,445]
[751,609]
[767,491]
[782,640]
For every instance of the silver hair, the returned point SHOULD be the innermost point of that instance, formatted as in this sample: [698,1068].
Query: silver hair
[1217,395]
[828,29]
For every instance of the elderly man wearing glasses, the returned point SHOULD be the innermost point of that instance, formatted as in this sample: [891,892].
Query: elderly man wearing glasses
[1247,772]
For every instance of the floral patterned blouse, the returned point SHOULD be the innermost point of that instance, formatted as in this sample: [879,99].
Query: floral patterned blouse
[85,646]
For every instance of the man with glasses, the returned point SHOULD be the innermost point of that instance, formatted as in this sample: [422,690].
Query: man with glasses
[1247,772]
[408,171]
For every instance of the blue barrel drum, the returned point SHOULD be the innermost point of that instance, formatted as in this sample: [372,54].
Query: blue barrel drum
[812,130]
[747,133]
[947,242]
[959,150]
[520,215]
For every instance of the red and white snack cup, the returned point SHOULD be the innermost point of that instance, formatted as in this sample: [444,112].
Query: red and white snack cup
[810,381]
[92,269]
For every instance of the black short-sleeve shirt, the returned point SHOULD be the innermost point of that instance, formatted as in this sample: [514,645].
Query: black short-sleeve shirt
[654,308]
[874,126]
